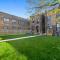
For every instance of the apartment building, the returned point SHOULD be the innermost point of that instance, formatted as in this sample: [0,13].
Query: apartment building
[48,23]
[53,22]
[38,24]
[10,24]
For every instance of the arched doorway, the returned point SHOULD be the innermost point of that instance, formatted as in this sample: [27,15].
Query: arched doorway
[37,29]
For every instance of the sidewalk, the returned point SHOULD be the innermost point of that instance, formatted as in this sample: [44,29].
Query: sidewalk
[18,38]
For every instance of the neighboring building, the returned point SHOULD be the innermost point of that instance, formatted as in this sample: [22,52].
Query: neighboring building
[10,24]
[48,23]
[53,22]
[39,23]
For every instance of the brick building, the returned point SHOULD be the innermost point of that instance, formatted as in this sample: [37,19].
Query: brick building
[48,23]
[10,24]
[38,24]
[53,22]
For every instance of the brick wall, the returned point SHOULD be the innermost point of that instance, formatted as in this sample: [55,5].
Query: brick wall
[10,24]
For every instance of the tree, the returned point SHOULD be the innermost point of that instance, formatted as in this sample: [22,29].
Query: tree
[40,5]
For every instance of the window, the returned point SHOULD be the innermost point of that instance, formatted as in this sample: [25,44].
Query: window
[58,25]
[49,22]
[13,27]
[13,20]
[57,15]
[6,24]
[6,20]
[5,28]
[19,28]
[19,22]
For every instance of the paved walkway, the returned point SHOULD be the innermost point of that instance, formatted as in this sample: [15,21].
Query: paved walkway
[18,38]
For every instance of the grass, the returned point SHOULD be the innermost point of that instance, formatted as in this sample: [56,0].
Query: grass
[2,37]
[37,48]
[7,52]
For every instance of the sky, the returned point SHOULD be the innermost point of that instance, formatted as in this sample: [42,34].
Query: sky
[14,7]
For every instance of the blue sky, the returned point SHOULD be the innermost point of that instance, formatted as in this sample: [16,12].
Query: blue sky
[14,7]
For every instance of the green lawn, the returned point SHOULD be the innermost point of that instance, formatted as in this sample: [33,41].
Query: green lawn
[37,48]
[2,37]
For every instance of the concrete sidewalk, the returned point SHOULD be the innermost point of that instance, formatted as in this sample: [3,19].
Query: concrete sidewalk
[18,38]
